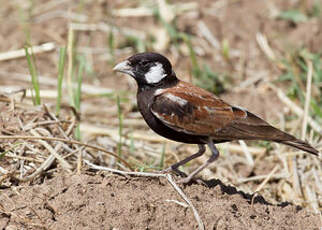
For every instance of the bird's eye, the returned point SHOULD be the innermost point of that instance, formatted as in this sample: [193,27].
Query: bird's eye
[144,63]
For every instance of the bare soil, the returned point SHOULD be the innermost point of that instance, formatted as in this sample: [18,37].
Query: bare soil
[105,201]
[95,200]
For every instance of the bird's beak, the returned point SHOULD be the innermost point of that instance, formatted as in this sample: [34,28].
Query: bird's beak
[124,67]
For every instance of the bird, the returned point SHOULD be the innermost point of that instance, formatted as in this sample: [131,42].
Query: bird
[183,112]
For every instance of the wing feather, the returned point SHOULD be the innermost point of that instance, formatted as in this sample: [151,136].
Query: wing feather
[189,109]
[192,110]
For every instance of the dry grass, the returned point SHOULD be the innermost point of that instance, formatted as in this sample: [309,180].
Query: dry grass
[279,173]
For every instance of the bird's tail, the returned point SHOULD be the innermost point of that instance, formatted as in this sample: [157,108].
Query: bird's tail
[255,128]
[301,145]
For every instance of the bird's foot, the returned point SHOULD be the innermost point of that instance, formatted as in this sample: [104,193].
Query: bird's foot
[175,170]
[185,179]
[189,179]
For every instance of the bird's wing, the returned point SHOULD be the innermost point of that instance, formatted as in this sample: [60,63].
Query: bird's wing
[187,108]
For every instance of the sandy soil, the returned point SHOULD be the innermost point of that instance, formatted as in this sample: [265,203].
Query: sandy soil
[96,200]
[91,201]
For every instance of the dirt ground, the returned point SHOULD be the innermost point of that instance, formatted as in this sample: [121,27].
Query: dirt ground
[90,201]
[80,197]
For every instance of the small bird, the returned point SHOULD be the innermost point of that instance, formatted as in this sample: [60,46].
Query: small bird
[182,112]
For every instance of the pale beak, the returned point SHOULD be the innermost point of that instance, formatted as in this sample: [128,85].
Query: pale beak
[124,67]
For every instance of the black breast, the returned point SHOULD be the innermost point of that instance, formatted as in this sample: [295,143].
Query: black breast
[145,99]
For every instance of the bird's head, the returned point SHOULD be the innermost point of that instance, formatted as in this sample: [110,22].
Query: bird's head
[148,69]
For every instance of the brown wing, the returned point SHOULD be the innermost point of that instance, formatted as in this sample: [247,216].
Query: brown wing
[192,110]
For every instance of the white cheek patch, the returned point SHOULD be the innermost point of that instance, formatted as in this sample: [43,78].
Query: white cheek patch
[155,74]
[176,99]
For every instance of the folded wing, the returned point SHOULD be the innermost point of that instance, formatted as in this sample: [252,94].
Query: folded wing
[195,111]
[192,110]
[186,108]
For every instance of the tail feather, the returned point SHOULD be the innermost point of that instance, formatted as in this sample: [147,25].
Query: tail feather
[301,145]
[254,128]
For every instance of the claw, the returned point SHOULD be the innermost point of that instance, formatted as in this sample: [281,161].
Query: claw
[175,170]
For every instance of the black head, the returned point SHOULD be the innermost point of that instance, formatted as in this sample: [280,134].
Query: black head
[148,69]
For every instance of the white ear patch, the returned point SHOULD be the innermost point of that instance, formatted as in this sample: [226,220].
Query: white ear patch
[155,74]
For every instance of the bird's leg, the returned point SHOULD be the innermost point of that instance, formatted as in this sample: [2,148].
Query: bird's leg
[175,166]
[213,157]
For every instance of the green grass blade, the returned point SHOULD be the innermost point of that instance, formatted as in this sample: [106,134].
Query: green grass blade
[78,91]
[111,45]
[294,16]
[120,118]
[34,76]
[61,65]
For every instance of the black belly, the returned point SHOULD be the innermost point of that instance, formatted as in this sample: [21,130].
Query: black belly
[144,99]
